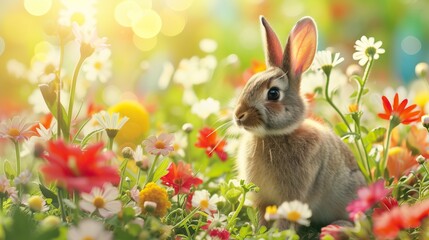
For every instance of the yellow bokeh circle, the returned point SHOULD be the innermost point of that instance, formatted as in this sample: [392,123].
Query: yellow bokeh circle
[173,23]
[137,126]
[37,7]
[126,12]
[148,25]
[145,44]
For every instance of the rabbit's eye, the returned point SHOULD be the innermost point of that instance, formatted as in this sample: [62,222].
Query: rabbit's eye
[273,94]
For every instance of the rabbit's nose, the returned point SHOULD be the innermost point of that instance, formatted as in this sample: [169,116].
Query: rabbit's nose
[241,116]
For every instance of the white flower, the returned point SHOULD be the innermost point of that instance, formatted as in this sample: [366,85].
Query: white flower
[110,121]
[271,213]
[89,229]
[366,48]
[81,12]
[323,61]
[16,68]
[180,143]
[45,65]
[217,220]
[102,200]
[295,211]
[202,200]
[88,39]
[35,203]
[23,178]
[208,45]
[205,107]
[98,66]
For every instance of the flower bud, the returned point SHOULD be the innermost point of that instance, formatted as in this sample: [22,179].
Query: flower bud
[127,152]
[353,69]
[187,127]
[150,206]
[422,70]
[36,203]
[425,121]
[420,159]
[51,222]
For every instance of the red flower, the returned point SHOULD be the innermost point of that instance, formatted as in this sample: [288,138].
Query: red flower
[77,169]
[208,139]
[334,230]
[180,178]
[404,114]
[368,196]
[219,233]
[386,204]
[389,223]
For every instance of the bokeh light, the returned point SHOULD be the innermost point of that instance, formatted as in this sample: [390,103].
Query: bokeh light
[2,45]
[179,5]
[173,23]
[37,7]
[126,12]
[411,45]
[145,44]
[148,25]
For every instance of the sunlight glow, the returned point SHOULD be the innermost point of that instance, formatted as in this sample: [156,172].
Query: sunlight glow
[148,25]
[411,45]
[37,7]
[173,23]
[2,46]
[145,44]
[179,5]
[128,11]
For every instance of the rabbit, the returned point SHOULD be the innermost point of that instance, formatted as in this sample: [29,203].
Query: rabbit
[288,156]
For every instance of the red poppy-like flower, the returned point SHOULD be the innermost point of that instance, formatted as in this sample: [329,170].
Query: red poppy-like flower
[335,231]
[388,224]
[207,139]
[368,197]
[219,233]
[77,169]
[180,178]
[385,205]
[404,114]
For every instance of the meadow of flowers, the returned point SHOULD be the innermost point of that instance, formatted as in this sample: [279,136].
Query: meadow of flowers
[74,166]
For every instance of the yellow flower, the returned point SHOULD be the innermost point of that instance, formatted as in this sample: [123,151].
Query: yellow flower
[135,129]
[353,108]
[156,194]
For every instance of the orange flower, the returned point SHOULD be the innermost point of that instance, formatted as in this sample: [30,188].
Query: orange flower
[400,161]
[180,177]
[208,140]
[404,114]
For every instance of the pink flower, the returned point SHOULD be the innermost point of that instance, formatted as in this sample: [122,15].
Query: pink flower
[335,231]
[16,129]
[368,197]
[102,200]
[219,233]
[161,145]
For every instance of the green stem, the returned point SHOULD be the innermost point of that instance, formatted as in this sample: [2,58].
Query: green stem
[18,157]
[110,146]
[61,203]
[189,216]
[1,204]
[368,168]
[138,176]
[329,100]
[236,212]
[383,163]
[59,109]
[76,202]
[73,90]
[151,170]
[364,79]
[123,175]
[427,172]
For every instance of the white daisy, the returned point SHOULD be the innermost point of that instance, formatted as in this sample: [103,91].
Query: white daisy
[205,108]
[366,48]
[81,12]
[110,121]
[35,203]
[16,68]
[88,39]
[98,66]
[323,61]
[102,200]
[89,229]
[202,200]
[295,211]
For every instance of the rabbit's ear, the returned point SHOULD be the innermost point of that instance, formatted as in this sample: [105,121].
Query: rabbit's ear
[273,49]
[301,47]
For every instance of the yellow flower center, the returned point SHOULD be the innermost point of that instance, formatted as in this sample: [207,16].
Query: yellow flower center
[98,65]
[35,203]
[13,132]
[271,209]
[99,202]
[353,108]
[204,204]
[293,216]
[78,17]
[88,238]
[159,145]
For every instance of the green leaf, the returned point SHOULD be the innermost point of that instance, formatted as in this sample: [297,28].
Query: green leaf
[49,194]
[161,170]
[88,137]
[9,171]
[341,129]
[358,79]
[50,97]
[375,135]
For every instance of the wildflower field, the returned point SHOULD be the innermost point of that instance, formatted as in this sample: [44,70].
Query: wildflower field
[119,120]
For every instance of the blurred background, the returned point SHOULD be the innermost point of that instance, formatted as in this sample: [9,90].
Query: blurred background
[149,39]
